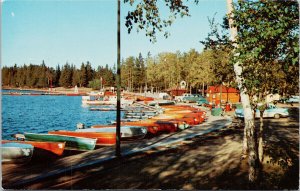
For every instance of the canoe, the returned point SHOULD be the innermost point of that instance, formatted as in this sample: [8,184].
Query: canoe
[16,152]
[151,126]
[162,103]
[180,123]
[102,138]
[168,125]
[143,98]
[77,143]
[53,147]
[190,120]
[127,132]
[199,116]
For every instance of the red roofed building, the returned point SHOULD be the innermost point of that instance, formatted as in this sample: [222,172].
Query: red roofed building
[228,94]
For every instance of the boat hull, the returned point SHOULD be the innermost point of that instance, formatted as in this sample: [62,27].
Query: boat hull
[102,138]
[16,152]
[53,147]
[127,132]
[77,143]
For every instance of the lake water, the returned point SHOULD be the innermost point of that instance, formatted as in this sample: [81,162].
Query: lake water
[40,114]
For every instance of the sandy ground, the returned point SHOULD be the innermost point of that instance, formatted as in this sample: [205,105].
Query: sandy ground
[210,161]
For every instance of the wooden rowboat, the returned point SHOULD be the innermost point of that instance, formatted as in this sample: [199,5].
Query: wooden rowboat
[53,147]
[16,152]
[154,126]
[127,132]
[105,138]
[199,117]
[77,143]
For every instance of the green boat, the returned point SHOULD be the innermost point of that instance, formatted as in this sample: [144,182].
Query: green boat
[72,143]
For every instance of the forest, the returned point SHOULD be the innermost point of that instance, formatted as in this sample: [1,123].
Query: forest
[42,76]
[154,73]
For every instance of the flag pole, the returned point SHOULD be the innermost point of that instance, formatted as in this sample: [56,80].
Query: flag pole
[118,137]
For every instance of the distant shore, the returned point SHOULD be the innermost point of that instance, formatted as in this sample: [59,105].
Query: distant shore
[56,89]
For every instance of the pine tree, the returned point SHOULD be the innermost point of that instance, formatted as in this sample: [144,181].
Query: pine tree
[89,71]
[66,76]
[83,80]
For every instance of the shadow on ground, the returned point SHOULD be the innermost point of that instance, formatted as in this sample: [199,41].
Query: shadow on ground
[210,161]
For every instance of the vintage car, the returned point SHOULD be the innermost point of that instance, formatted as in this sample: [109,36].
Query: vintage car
[203,102]
[194,98]
[292,99]
[271,112]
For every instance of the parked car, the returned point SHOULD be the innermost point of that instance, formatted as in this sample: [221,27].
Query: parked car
[194,98]
[180,98]
[203,102]
[292,99]
[271,112]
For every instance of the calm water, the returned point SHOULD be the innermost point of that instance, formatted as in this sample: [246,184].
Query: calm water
[40,114]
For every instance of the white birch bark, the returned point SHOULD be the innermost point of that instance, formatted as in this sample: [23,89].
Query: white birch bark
[249,142]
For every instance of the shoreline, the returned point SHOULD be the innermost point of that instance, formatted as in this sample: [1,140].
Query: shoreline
[61,90]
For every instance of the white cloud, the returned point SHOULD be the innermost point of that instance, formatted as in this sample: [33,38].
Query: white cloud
[12,14]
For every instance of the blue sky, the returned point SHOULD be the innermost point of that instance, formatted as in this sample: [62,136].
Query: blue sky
[80,31]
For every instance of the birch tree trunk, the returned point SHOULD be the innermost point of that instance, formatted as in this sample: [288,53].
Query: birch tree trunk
[260,138]
[203,89]
[249,144]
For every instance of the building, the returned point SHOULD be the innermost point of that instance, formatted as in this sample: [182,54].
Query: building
[176,92]
[227,94]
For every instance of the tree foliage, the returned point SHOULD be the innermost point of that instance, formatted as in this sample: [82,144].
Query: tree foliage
[41,76]
[268,45]
[147,16]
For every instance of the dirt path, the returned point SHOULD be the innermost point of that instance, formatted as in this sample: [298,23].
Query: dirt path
[209,161]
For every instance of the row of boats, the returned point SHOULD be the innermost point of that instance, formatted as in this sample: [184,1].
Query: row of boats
[172,119]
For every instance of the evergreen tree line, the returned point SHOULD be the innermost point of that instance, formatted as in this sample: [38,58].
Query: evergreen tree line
[41,76]
[152,73]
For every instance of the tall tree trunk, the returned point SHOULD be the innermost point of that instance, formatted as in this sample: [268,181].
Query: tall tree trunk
[260,138]
[248,117]
[203,89]
[252,152]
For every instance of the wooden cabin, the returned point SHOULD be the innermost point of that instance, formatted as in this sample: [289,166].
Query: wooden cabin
[227,94]
[176,92]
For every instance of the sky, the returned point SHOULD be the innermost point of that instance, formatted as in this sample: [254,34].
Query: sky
[86,30]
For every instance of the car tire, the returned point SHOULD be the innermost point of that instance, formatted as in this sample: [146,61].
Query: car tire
[277,116]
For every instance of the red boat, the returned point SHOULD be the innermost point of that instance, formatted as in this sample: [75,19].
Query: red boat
[143,98]
[157,126]
[199,116]
[54,147]
[103,138]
